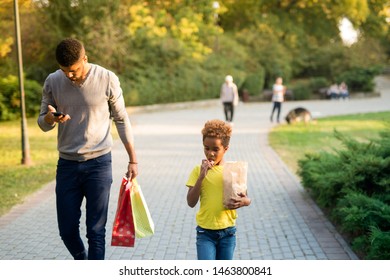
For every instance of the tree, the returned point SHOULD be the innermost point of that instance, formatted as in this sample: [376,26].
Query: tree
[175,50]
[377,23]
[7,39]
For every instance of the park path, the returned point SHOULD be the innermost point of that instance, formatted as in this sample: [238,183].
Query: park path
[281,223]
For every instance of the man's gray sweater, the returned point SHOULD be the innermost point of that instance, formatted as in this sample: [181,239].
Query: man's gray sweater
[91,106]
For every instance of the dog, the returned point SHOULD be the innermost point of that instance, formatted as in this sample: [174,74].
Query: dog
[299,115]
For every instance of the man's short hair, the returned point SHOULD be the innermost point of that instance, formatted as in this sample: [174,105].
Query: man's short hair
[69,52]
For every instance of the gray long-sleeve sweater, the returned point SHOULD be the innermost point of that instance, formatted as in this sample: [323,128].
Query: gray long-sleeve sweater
[91,106]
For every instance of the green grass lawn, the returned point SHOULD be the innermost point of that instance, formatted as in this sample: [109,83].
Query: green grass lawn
[291,142]
[16,180]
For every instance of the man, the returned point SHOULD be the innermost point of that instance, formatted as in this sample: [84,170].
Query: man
[229,97]
[83,98]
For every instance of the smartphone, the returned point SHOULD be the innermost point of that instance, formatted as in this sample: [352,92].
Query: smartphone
[57,114]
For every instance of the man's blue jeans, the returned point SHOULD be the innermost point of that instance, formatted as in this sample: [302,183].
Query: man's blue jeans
[91,179]
[215,244]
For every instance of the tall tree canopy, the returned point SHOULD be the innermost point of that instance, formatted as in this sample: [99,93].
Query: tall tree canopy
[178,50]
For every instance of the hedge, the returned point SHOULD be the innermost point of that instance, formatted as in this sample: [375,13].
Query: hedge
[353,185]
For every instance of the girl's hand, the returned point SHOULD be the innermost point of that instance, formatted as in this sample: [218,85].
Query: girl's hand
[194,192]
[206,165]
[243,200]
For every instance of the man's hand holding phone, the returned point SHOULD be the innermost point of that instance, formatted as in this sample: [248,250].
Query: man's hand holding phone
[53,116]
[58,114]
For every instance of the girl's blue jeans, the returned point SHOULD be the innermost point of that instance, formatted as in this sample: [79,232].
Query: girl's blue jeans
[277,106]
[215,244]
[91,179]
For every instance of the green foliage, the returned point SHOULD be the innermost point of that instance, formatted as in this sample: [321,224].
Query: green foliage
[254,83]
[174,78]
[152,44]
[10,98]
[183,84]
[374,22]
[318,82]
[325,189]
[305,88]
[360,78]
[301,90]
[353,183]
[379,245]
[265,49]
[336,63]
[367,220]
[358,213]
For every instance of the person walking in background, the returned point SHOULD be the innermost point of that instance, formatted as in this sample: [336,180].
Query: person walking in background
[82,98]
[216,231]
[278,92]
[229,97]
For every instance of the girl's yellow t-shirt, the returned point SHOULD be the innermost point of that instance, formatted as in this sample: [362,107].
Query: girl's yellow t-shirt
[212,214]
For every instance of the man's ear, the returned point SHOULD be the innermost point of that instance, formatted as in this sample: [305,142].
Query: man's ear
[226,148]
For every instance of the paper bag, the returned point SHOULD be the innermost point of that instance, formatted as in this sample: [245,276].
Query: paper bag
[234,180]
[123,231]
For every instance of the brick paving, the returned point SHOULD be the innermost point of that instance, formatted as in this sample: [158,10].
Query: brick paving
[282,223]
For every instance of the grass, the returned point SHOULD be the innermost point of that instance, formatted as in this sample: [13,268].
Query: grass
[18,181]
[292,142]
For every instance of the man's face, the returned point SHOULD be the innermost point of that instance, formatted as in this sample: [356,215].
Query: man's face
[76,72]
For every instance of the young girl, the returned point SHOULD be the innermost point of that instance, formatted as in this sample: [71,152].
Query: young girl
[216,239]
[278,92]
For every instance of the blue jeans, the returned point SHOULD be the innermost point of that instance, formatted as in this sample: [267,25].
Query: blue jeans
[91,179]
[276,106]
[215,244]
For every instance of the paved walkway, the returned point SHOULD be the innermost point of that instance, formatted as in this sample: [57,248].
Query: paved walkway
[282,222]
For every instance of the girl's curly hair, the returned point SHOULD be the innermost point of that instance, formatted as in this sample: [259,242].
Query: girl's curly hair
[217,129]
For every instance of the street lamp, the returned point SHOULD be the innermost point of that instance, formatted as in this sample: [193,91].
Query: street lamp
[25,144]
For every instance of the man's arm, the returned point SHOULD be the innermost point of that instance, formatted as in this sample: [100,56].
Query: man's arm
[122,123]
[44,121]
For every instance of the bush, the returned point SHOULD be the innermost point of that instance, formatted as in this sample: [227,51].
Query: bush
[305,88]
[379,245]
[165,80]
[367,221]
[301,90]
[254,83]
[358,213]
[360,79]
[353,185]
[317,83]
[10,98]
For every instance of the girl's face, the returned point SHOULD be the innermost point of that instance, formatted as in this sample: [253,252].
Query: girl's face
[214,150]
